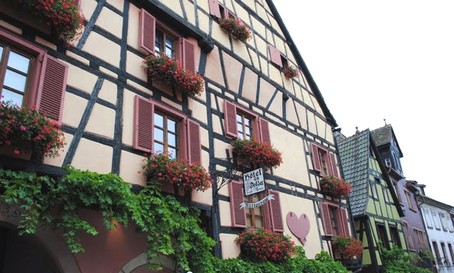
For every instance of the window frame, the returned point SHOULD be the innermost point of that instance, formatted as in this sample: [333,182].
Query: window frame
[333,212]
[47,84]
[260,127]
[272,209]
[382,234]
[185,49]
[189,139]
[330,159]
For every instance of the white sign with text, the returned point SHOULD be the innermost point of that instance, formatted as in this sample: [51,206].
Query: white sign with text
[254,182]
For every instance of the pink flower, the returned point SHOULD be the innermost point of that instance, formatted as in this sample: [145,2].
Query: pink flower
[16,152]
[23,128]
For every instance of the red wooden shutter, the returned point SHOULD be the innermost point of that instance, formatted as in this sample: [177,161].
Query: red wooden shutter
[230,119]
[143,124]
[236,198]
[332,163]
[277,225]
[52,88]
[214,8]
[315,157]
[264,131]
[342,222]
[324,211]
[275,55]
[194,146]
[147,31]
[188,55]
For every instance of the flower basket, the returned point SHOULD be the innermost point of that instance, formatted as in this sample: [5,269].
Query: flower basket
[263,245]
[236,28]
[161,168]
[254,154]
[24,130]
[335,186]
[63,16]
[170,71]
[346,247]
[290,72]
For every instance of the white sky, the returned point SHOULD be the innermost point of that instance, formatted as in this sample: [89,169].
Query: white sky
[388,59]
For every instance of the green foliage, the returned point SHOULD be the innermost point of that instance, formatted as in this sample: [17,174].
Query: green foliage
[299,263]
[397,260]
[172,228]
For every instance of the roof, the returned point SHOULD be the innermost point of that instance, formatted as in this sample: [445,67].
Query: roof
[384,136]
[354,157]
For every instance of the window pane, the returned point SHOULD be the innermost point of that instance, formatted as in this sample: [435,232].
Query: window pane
[15,98]
[247,121]
[239,127]
[169,47]
[172,139]
[158,148]
[172,152]
[158,41]
[15,80]
[248,131]
[239,118]
[171,126]
[158,120]
[158,135]
[18,62]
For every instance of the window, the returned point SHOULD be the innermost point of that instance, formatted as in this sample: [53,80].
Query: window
[395,239]
[436,219]
[158,128]
[244,124]
[443,220]
[408,236]
[219,11]
[385,194]
[409,199]
[269,215]
[373,190]
[382,236]
[277,58]
[255,217]
[323,161]
[156,37]
[334,219]
[428,218]
[451,253]
[437,253]
[30,77]
[420,236]
[445,259]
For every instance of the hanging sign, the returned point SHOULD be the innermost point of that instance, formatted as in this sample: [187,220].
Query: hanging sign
[254,182]
[258,203]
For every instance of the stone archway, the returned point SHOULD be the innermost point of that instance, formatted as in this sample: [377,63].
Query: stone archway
[43,250]
[139,265]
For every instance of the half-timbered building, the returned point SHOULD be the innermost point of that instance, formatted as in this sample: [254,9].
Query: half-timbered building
[114,114]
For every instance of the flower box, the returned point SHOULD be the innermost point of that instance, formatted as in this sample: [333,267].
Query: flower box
[254,154]
[261,245]
[24,131]
[163,170]
[169,70]
[335,186]
[62,16]
[290,72]
[236,28]
[347,248]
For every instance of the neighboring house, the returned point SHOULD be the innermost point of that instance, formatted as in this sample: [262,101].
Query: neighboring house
[406,190]
[114,116]
[438,222]
[374,205]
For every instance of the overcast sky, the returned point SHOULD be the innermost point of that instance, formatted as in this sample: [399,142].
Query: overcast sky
[388,59]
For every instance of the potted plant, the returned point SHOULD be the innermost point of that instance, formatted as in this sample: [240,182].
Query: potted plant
[290,72]
[25,130]
[63,16]
[261,245]
[347,248]
[161,168]
[236,28]
[335,186]
[253,154]
[169,70]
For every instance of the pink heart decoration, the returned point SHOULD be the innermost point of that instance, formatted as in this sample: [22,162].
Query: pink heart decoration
[299,226]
